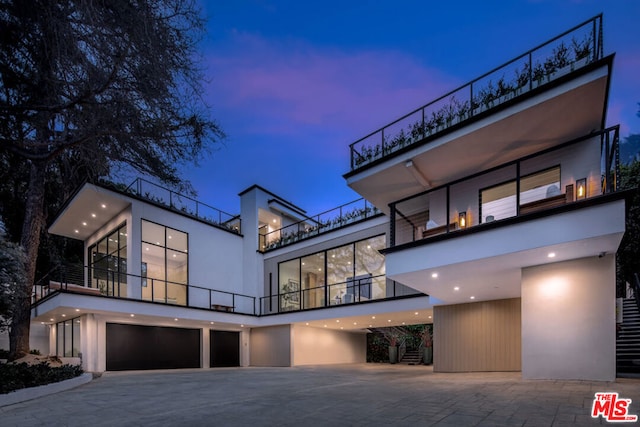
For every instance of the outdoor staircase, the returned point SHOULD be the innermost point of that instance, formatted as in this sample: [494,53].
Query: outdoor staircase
[411,357]
[628,341]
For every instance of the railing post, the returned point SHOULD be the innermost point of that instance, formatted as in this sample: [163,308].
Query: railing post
[392,225]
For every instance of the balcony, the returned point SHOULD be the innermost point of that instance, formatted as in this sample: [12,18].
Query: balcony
[333,219]
[77,279]
[184,204]
[576,171]
[539,67]
[356,291]
[564,105]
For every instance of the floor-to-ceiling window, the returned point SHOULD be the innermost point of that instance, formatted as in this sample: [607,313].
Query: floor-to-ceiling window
[68,338]
[108,263]
[165,264]
[346,274]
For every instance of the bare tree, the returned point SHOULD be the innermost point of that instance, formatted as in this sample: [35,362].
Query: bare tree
[96,83]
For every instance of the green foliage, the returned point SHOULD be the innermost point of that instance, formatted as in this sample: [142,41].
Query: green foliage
[22,375]
[629,251]
[12,278]
[377,349]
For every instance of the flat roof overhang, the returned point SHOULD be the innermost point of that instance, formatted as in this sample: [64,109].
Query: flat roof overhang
[487,263]
[561,111]
[64,306]
[87,211]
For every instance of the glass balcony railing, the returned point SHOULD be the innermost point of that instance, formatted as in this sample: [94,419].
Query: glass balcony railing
[557,57]
[546,180]
[184,204]
[316,225]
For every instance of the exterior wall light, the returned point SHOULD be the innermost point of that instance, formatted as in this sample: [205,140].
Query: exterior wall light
[462,221]
[581,188]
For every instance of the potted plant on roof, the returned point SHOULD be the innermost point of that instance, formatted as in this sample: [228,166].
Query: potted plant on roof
[427,341]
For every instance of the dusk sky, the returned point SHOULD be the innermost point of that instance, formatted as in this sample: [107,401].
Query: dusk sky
[293,83]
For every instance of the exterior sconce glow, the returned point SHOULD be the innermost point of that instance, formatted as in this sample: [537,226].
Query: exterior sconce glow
[581,188]
[462,221]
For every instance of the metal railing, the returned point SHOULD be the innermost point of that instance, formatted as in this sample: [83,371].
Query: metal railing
[335,295]
[101,282]
[458,205]
[349,213]
[571,50]
[184,204]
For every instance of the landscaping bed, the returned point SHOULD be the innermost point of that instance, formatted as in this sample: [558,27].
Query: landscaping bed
[33,371]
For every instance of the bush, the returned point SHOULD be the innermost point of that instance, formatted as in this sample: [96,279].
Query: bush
[22,375]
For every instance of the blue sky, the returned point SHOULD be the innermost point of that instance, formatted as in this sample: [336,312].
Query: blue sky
[293,83]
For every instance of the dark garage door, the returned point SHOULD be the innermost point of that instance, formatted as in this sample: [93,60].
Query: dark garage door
[225,348]
[151,347]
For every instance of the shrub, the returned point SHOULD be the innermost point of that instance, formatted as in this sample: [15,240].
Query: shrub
[15,376]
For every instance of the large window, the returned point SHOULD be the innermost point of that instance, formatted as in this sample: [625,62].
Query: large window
[165,264]
[499,201]
[68,338]
[350,273]
[108,263]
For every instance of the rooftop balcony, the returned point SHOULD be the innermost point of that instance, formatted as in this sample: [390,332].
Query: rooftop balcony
[184,204]
[551,94]
[333,219]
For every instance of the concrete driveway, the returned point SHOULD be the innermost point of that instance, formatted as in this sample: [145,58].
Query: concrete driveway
[360,395]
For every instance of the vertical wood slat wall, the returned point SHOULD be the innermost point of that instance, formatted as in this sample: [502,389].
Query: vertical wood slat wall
[482,336]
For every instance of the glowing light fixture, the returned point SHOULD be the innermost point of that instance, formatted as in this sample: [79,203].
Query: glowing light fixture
[581,188]
[462,219]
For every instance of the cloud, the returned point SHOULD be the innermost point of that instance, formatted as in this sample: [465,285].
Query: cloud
[288,87]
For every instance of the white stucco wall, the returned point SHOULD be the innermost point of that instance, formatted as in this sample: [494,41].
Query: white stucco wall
[318,346]
[568,320]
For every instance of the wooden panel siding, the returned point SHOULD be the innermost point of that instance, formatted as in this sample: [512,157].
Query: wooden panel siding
[482,336]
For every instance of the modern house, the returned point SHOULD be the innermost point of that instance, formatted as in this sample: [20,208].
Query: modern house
[491,212]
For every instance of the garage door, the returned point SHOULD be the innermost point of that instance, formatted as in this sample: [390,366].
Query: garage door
[225,348]
[151,347]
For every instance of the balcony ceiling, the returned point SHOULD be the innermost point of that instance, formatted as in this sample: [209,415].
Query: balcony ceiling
[538,122]
[487,265]
[90,209]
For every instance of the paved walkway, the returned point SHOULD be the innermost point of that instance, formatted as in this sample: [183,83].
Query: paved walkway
[359,395]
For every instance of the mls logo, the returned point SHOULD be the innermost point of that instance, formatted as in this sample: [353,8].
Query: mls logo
[612,409]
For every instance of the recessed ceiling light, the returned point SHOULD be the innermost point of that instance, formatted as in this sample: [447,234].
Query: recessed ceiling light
[416,313]
[355,323]
[103,206]
[76,231]
[472,297]
[84,223]
[337,321]
[434,275]
[307,323]
[93,215]
[132,315]
[176,319]
[389,320]
[370,326]
[325,326]
[456,288]
[77,309]
[341,327]
[551,255]
[403,323]
[213,323]
[51,320]
[42,323]
[64,315]
[275,220]
[146,249]
[429,317]
[373,317]
[242,326]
